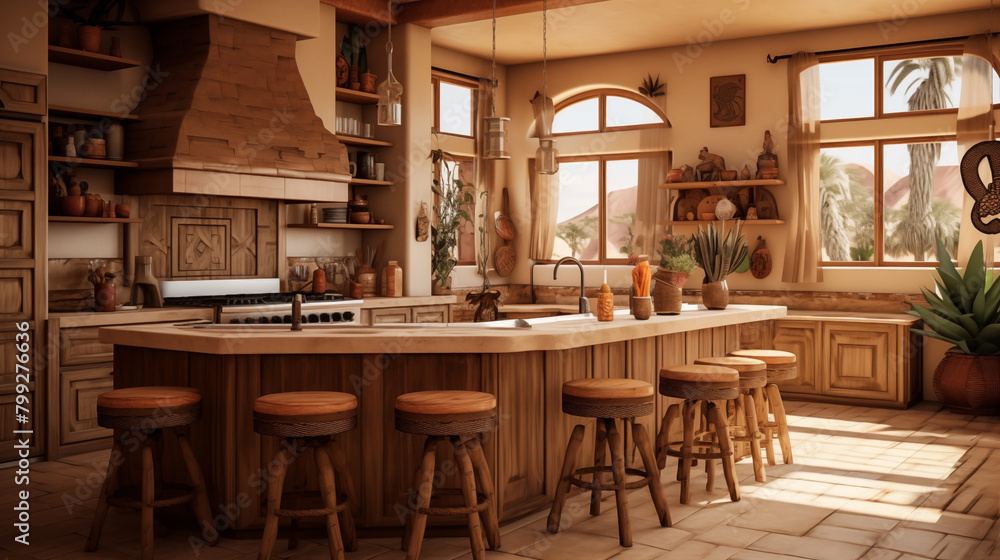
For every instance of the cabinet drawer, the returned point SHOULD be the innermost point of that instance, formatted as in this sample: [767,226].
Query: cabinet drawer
[431,314]
[80,346]
[8,439]
[16,295]
[391,315]
[17,240]
[860,360]
[801,338]
[78,392]
[24,92]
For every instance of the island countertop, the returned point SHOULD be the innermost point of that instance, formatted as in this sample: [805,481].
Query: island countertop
[548,333]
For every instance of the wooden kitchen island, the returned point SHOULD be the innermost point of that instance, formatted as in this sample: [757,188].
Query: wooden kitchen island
[524,367]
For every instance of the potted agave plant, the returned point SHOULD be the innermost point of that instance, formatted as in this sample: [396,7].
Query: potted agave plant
[103,14]
[676,263]
[719,255]
[964,312]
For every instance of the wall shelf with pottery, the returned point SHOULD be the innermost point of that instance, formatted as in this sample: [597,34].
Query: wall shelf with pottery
[694,199]
[81,113]
[94,61]
[354,96]
[362,141]
[341,226]
[87,162]
[370,182]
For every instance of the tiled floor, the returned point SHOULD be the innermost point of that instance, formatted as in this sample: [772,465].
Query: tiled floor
[867,483]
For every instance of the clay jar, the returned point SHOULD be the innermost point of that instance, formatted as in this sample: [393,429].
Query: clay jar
[94,206]
[73,205]
[367,82]
[104,296]
[319,281]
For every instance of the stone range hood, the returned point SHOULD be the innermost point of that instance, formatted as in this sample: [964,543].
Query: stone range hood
[228,114]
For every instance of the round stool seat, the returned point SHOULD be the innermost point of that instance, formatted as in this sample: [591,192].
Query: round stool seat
[148,407]
[780,364]
[446,413]
[753,373]
[305,413]
[607,398]
[699,382]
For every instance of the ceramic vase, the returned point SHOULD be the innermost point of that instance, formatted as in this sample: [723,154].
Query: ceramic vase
[368,82]
[104,296]
[89,38]
[114,141]
[715,295]
[642,307]
[367,279]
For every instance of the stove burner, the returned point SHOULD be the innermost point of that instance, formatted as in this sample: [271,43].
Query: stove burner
[249,299]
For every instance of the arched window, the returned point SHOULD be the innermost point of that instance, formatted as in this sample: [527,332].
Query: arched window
[606,109]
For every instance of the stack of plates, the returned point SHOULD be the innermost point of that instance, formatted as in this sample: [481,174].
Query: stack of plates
[335,215]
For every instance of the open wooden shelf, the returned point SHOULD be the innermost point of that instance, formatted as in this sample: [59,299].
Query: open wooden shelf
[84,219]
[78,112]
[370,182]
[341,226]
[722,184]
[362,141]
[87,162]
[359,97]
[94,61]
[698,222]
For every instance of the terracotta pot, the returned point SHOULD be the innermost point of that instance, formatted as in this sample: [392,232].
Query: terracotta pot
[94,206]
[104,296]
[368,82]
[715,295]
[968,384]
[367,278]
[73,205]
[642,307]
[89,37]
[123,210]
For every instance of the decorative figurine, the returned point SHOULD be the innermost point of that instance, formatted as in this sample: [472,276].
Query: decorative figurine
[767,162]
[711,167]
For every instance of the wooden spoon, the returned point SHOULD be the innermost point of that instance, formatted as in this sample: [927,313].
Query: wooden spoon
[504,225]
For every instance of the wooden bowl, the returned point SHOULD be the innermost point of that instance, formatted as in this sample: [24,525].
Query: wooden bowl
[707,216]
[73,205]
[123,210]
[361,217]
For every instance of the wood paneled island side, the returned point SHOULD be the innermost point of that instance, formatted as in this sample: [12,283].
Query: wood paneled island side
[523,367]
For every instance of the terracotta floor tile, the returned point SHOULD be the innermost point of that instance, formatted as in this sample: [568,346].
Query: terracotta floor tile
[808,547]
[781,517]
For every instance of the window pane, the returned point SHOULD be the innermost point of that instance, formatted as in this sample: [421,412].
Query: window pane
[622,181]
[455,108]
[622,111]
[847,203]
[922,199]
[921,84]
[578,117]
[848,89]
[576,222]
[467,229]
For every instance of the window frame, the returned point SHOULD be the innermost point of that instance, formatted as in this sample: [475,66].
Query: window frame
[602,110]
[932,134]
[437,78]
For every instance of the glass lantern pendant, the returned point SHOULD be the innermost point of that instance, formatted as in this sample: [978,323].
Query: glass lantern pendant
[390,92]
[547,157]
[496,138]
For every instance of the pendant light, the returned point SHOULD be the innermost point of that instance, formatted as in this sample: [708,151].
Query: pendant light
[546,157]
[496,127]
[390,92]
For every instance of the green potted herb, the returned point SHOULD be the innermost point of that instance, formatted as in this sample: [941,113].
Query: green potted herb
[719,255]
[964,312]
[676,263]
[453,194]
[103,14]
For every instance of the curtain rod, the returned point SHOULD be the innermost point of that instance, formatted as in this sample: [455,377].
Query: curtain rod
[457,74]
[775,59]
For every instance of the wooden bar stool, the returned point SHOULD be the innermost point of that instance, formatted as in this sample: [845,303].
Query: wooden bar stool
[309,419]
[139,414]
[609,400]
[456,417]
[698,385]
[745,427]
[781,366]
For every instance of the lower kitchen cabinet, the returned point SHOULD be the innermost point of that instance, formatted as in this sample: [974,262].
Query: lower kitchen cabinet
[80,369]
[849,358]
[413,314]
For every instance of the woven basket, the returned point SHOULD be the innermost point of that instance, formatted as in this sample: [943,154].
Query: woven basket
[715,295]
[666,292]
[968,384]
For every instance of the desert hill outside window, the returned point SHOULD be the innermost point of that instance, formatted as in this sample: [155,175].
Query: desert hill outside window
[889,161]
[597,191]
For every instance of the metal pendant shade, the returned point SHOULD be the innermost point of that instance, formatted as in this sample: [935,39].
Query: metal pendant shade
[496,127]
[546,157]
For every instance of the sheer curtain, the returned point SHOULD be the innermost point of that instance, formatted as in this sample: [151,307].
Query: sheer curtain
[975,124]
[544,212]
[650,199]
[803,253]
[485,172]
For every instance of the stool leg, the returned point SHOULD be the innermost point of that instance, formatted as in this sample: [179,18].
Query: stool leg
[202,511]
[328,488]
[617,445]
[424,484]
[738,421]
[652,472]
[562,486]
[684,461]
[726,451]
[672,414]
[485,484]
[774,398]
[753,433]
[468,480]
[339,461]
[148,495]
[274,486]
[600,446]
[107,489]
[764,420]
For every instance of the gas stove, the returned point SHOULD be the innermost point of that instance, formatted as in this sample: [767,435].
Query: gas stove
[258,301]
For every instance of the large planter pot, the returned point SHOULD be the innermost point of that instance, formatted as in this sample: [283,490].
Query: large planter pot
[968,384]
[715,295]
[89,38]
[666,292]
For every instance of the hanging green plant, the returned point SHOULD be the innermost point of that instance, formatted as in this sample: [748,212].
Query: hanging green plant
[651,87]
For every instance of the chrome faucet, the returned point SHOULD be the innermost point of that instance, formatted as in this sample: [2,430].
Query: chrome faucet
[584,302]
[297,312]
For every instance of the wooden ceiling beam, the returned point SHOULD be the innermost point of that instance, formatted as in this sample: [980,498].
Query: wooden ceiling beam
[438,13]
[361,12]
